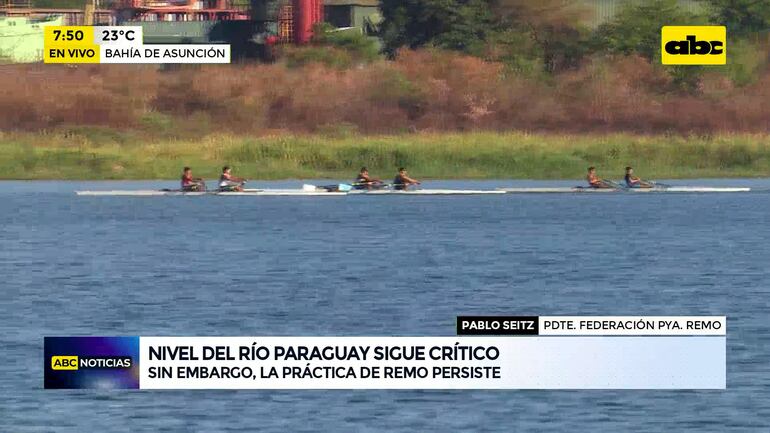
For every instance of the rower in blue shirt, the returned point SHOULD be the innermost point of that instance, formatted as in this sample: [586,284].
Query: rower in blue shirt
[635,182]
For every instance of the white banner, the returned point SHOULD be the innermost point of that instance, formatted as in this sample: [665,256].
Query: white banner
[175,53]
[633,325]
[433,362]
[119,35]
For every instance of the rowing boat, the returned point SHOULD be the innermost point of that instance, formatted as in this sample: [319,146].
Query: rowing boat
[669,189]
[286,192]
[247,192]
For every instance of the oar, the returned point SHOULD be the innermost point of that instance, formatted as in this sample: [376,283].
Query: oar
[338,187]
[381,185]
[651,184]
[403,186]
[368,183]
[613,184]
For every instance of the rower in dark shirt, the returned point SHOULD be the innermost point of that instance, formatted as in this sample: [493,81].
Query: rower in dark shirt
[403,181]
[364,181]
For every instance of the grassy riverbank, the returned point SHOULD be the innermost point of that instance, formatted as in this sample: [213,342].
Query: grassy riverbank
[88,153]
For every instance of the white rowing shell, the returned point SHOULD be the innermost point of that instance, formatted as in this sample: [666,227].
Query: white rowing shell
[692,189]
[285,192]
[426,192]
[306,192]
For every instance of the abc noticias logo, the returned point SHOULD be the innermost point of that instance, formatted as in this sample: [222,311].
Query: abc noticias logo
[73,362]
[693,45]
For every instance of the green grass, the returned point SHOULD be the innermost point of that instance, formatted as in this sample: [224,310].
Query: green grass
[98,153]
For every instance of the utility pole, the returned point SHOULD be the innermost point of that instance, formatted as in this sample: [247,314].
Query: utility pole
[89,12]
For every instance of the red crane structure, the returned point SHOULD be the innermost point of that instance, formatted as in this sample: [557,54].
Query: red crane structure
[307,13]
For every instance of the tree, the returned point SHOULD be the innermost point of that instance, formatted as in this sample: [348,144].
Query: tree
[554,28]
[742,17]
[636,28]
[461,25]
[519,32]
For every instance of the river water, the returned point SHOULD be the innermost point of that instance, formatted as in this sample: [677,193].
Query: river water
[382,265]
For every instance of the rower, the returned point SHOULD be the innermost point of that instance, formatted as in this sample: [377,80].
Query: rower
[594,181]
[228,182]
[402,180]
[190,183]
[635,182]
[364,181]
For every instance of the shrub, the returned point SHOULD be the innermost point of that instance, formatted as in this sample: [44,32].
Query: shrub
[427,90]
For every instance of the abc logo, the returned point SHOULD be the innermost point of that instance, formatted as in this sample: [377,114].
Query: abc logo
[693,45]
[64,362]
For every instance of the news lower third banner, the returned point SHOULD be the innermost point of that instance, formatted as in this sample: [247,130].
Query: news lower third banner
[601,356]
[122,44]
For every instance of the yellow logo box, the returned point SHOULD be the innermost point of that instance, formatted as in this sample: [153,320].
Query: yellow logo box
[64,362]
[693,45]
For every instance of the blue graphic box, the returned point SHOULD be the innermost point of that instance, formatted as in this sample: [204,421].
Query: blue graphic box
[91,362]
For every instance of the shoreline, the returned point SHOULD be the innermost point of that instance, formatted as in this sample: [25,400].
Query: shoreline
[104,154]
